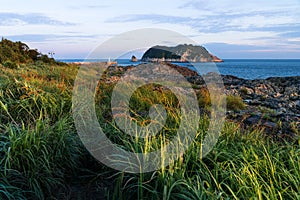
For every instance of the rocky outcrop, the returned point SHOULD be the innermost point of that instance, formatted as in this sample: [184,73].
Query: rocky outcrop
[180,53]
[216,59]
[272,104]
[134,59]
[275,100]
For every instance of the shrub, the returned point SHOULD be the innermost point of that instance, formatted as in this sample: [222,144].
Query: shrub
[244,91]
[46,59]
[20,53]
[203,98]
[235,103]
[10,65]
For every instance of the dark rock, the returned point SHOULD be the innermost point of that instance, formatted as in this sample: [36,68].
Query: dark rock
[253,120]
[134,59]
[198,80]
[270,125]
[183,71]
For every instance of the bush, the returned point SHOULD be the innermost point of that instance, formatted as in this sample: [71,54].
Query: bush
[46,59]
[244,91]
[10,65]
[20,53]
[203,98]
[235,103]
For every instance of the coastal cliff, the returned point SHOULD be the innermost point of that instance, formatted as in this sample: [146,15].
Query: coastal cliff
[180,53]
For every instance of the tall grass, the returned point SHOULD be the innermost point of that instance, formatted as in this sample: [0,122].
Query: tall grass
[241,166]
[36,92]
[39,147]
[42,157]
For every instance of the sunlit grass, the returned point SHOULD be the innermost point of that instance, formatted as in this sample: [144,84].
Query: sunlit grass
[241,166]
[41,154]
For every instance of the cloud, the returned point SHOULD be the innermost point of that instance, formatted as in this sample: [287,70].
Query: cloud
[156,18]
[216,23]
[46,37]
[291,34]
[225,50]
[295,40]
[202,23]
[223,47]
[12,19]
[232,7]
[80,7]
[200,4]
[224,15]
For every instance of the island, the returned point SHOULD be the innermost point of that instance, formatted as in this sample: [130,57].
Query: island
[179,53]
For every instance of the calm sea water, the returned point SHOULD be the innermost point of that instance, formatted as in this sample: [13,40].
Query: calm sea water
[243,68]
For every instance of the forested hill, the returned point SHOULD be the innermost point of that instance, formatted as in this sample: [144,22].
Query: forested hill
[14,53]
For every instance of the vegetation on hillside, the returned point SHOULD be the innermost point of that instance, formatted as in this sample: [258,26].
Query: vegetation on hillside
[13,54]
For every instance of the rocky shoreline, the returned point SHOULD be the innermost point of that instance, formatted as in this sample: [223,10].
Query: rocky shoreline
[272,104]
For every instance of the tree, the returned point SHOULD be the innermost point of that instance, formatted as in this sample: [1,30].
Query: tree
[33,54]
[19,52]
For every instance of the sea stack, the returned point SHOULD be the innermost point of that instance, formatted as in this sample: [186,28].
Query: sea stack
[134,59]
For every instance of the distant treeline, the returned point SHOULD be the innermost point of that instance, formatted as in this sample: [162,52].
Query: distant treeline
[14,53]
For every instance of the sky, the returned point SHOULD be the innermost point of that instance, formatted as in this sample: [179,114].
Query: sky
[227,28]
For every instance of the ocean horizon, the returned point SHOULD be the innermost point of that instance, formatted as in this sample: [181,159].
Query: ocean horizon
[242,68]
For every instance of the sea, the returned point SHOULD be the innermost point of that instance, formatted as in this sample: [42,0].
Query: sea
[242,68]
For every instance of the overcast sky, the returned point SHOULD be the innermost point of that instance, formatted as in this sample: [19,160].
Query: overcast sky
[227,28]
